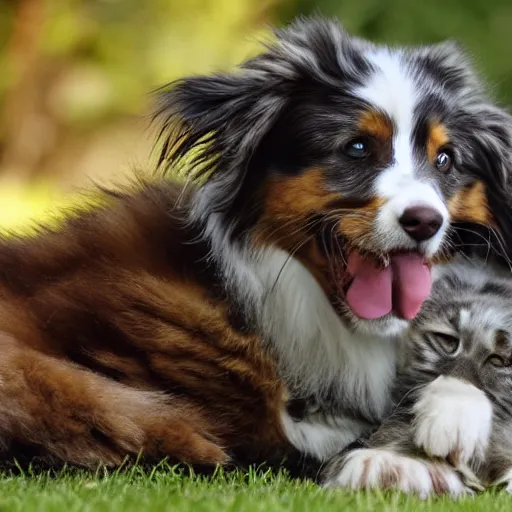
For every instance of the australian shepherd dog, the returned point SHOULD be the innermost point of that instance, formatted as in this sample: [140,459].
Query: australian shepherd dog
[255,314]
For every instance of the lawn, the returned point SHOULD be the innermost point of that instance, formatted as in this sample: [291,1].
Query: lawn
[168,488]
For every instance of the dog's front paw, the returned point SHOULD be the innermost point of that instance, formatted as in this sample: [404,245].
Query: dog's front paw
[452,419]
[385,469]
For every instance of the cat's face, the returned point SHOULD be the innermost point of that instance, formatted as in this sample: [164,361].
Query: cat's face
[465,331]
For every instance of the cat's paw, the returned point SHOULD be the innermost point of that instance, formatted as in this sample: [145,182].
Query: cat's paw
[505,481]
[453,419]
[384,469]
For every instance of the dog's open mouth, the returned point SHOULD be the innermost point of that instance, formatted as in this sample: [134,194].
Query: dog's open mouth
[372,289]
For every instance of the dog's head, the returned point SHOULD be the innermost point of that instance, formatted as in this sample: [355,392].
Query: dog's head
[357,159]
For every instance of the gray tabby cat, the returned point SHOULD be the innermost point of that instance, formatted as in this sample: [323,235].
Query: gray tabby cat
[451,429]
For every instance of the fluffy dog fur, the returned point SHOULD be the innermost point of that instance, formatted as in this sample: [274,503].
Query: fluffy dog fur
[207,323]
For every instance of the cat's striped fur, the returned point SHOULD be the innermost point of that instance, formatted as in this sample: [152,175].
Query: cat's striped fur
[451,429]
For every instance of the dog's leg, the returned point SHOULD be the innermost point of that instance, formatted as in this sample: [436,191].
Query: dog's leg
[75,416]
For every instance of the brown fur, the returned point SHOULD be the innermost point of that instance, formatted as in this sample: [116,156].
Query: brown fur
[377,125]
[359,225]
[286,220]
[471,205]
[437,138]
[117,337]
[116,340]
[289,201]
[292,207]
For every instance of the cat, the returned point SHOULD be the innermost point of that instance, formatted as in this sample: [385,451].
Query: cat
[451,427]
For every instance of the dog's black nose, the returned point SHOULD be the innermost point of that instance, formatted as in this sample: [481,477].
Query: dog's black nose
[421,222]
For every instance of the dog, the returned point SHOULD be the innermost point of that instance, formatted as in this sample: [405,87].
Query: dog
[256,313]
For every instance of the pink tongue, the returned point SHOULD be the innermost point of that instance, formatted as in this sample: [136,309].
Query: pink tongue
[412,284]
[400,287]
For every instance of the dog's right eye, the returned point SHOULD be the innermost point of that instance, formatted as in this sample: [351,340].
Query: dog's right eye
[357,148]
[444,160]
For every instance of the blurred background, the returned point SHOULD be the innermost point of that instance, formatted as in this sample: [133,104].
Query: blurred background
[75,75]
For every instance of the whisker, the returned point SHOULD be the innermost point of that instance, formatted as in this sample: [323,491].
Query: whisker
[500,251]
[502,243]
[412,390]
[487,241]
[288,259]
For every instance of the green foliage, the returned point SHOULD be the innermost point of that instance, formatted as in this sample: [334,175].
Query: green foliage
[483,27]
[95,62]
[123,49]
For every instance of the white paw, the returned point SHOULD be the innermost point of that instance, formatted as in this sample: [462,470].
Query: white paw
[382,469]
[453,420]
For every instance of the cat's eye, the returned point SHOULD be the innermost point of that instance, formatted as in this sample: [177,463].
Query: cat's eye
[357,148]
[449,343]
[499,361]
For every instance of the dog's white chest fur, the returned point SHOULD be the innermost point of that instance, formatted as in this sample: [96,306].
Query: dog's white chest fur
[317,355]
[320,357]
[322,436]
[364,385]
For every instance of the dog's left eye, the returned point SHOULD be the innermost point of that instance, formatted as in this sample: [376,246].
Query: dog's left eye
[444,160]
[357,148]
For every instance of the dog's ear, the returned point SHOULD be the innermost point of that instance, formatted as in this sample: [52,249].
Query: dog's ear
[491,157]
[489,153]
[487,132]
[214,125]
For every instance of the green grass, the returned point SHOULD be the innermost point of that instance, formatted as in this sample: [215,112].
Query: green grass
[168,488]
